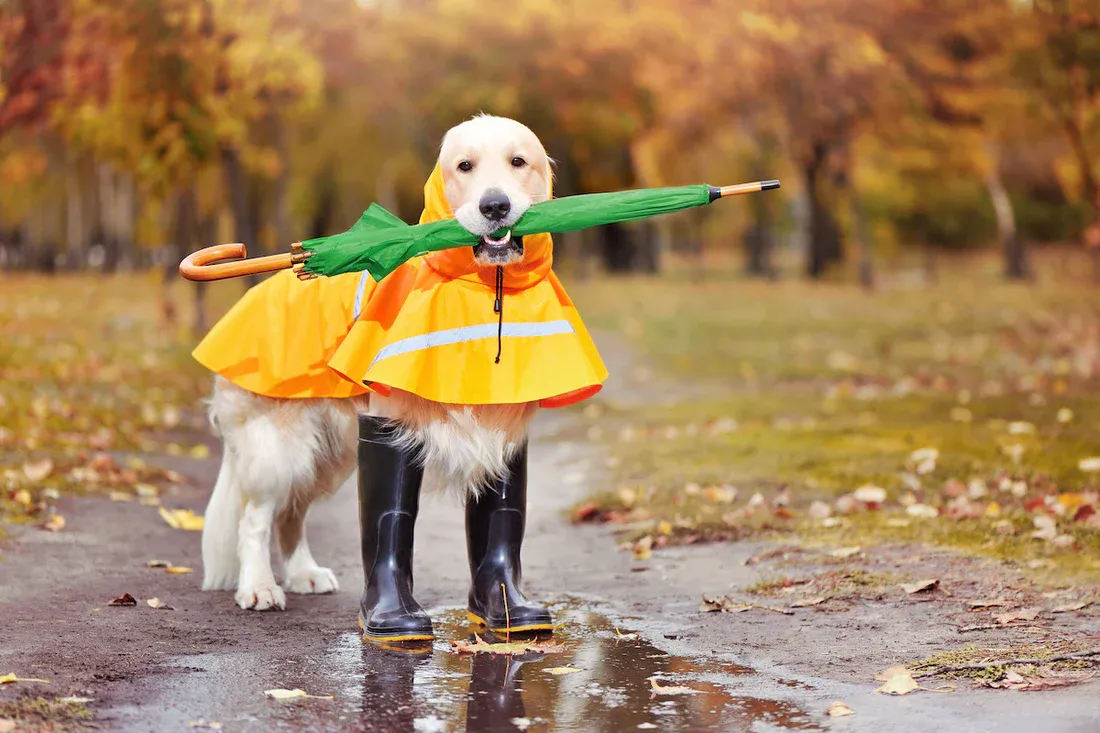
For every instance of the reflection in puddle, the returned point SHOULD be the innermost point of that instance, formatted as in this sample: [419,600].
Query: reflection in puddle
[435,690]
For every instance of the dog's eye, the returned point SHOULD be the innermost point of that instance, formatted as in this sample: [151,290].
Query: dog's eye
[465,166]
[518,162]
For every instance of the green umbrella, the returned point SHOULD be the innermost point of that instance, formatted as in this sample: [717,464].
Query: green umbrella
[380,242]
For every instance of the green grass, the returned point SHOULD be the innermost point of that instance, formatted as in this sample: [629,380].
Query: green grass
[816,390]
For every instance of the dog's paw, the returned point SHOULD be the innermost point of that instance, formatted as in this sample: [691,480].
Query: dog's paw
[261,598]
[313,580]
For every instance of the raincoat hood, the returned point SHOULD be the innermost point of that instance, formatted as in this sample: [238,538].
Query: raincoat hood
[458,262]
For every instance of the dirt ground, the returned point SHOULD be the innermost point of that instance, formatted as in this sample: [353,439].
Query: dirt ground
[624,622]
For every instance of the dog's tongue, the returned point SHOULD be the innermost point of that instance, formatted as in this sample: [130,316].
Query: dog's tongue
[504,239]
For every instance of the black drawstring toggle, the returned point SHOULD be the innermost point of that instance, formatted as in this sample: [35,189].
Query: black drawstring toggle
[498,308]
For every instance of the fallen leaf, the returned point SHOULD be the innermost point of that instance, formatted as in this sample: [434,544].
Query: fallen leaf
[1071,607]
[178,570]
[38,470]
[53,523]
[75,700]
[146,491]
[627,636]
[900,682]
[922,511]
[181,519]
[120,496]
[838,710]
[480,646]
[1089,465]
[158,564]
[985,604]
[289,694]
[807,602]
[724,604]
[921,585]
[562,670]
[659,689]
[123,600]
[158,603]
[643,548]
[870,494]
[1045,679]
[844,552]
[1027,614]
[7,678]
[211,725]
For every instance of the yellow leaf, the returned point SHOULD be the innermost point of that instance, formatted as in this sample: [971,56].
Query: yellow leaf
[6,678]
[562,670]
[838,710]
[479,645]
[900,682]
[146,490]
[177,570]
[659,689]
[54,523]
[38,470]
[181,519]
[158,603]
[200,451]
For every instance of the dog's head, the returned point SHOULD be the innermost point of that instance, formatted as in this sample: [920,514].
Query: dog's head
[493,168]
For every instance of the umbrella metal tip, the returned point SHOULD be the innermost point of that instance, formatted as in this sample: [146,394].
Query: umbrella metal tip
[769,184]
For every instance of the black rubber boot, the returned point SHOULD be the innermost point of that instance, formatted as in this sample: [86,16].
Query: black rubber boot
[389,496]
[494,535]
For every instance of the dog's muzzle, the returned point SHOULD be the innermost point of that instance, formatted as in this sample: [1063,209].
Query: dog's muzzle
[493,248]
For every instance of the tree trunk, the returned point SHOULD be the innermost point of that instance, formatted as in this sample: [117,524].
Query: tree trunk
[1014,249]
[208,231]
[824,244]
[759,241]
[236,182]
[74,211]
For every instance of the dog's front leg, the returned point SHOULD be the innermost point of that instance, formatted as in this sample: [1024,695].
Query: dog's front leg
[256,588]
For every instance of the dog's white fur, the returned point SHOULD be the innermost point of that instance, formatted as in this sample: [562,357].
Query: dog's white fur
[282,455]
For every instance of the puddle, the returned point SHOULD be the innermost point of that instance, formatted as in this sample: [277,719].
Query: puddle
[435,690]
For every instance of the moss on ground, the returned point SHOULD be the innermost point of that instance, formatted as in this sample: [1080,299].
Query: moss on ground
[46,715]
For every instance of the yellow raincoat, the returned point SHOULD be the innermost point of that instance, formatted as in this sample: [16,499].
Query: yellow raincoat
[430,328]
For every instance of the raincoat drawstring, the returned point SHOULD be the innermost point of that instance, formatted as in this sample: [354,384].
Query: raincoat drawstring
[498,308]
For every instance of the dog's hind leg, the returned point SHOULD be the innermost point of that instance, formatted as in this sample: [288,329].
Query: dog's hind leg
[219,533]
[334,463]
[303,574]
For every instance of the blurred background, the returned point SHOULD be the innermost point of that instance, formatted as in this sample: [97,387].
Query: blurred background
[135,131]
[911,317]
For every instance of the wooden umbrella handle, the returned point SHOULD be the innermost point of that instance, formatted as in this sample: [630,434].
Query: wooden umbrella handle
[207,264]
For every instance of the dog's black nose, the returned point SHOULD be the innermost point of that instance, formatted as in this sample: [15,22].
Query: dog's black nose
[494,204]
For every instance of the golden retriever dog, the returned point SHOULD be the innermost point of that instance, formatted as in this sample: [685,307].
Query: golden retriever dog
[281,455]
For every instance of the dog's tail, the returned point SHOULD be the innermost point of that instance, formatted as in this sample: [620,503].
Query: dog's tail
[220,562]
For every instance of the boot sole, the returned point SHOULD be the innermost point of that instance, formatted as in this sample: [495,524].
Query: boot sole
[475,619]
[384,638]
